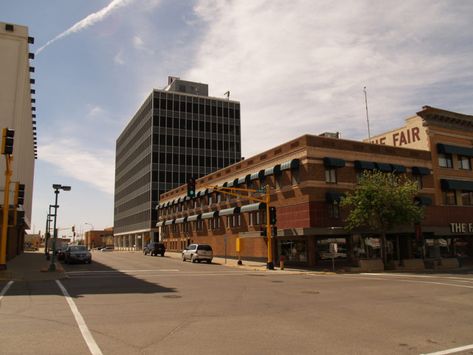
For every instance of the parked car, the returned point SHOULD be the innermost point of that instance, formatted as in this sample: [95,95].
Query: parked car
[104,249]
[77,253]
[198,252]
[154,248]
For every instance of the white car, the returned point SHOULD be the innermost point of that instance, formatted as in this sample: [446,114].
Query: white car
[198,252]
[106,249]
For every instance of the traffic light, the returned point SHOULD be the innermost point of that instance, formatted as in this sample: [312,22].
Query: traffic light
[191,187]
[263,233]
[20,194]
[272,215]
[7,141]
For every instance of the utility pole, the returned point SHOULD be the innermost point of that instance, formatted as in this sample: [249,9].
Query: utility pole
[367,117]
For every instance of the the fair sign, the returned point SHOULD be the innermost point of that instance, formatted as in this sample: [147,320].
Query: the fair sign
[461,227]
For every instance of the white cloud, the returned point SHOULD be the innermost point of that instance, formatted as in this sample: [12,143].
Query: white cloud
[118,59]
[300,67]
[95,111]
[88,21]
[138,42]
[72,160]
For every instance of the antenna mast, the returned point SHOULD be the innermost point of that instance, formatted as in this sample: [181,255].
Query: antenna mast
[367,117]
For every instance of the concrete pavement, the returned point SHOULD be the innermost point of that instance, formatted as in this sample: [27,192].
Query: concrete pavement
[31,266]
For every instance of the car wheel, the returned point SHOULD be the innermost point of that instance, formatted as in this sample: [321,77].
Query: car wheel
[183,257]
[209,261]
[193,258]
[162,254]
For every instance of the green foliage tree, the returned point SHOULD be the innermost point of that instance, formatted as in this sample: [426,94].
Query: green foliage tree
[381,201]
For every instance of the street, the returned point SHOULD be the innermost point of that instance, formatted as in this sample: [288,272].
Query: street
[135,304]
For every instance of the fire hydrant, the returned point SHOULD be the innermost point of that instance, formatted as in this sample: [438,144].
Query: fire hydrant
[281,262]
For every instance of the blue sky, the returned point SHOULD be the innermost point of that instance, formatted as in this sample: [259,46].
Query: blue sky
[297,67]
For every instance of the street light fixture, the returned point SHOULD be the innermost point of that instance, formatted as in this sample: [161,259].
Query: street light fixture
[56,187]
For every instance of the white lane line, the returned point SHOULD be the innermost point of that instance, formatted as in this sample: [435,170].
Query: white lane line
[86,334]
[419,276]
[368,277]
[5,289]
[451,351]
[114,271]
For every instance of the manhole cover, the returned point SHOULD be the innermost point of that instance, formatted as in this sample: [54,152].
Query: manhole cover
[277,282]
[172,296]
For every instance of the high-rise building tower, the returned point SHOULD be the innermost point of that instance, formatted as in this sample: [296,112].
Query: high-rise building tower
[179,132]
[17,113]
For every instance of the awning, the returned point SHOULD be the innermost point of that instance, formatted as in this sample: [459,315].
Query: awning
[193,218]
[180,220]
[236,183]
[417,170]
[208,215]
[174,202]
[364,165]
[253,207]
[241,181]
[453,149]
[396,168]
[202,193]
[332,196]
[169,221]
[180,199]
[384,167]
[275,170]
[334,162]
[160,224]
[257,176]
[456,185]
[291,164]
[423,200]
[230,184]
[229,211]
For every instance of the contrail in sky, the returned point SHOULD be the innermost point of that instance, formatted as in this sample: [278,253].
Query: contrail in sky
[90,20]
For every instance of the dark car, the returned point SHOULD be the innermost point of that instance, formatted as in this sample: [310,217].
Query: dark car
[154,248]
[77,253]
[61,253]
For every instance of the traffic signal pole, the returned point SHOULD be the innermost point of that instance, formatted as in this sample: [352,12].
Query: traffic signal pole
[6,207]
[269,264]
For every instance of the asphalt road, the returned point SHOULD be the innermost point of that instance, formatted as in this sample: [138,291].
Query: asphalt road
[135,304]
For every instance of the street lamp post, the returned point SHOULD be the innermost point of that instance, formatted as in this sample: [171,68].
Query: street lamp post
[48,231]
[56,187]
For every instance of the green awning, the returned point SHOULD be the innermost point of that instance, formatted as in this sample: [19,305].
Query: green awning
[332,196]
[423,200]
[169,221]
[364,165]
[384,167]
[456,185]
[208,215]
[257,176]
[180,220]
[275,170]
[253,207]
[453,149]
[193,218]
[334,162]
[418,170]
[291,164]
[229,211]
[396,168]
[160,224]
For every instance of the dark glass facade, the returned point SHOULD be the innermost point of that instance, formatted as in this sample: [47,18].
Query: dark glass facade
[172,137]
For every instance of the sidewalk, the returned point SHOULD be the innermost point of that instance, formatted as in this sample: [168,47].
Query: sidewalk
[31,266]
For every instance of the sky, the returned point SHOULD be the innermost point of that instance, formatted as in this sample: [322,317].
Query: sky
[297,67]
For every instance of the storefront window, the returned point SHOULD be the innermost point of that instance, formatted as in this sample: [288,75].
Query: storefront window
[467,198]
[331,248]
[438,248]
[449,197]
[293,250]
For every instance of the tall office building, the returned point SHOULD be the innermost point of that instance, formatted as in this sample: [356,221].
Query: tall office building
[177,133]
[18,113]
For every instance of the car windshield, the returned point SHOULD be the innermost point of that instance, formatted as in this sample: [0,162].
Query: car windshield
[205,247]
[78,248]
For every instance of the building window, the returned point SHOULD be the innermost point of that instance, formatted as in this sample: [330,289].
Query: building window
[445,160]
[331,175]
[277,181]
[449,197]
[215,223]
[467,198]
[464,162]
[420,183]
[295,177]
[199,225]
[334,209]
[233,221]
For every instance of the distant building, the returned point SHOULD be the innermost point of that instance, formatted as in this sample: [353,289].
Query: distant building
[98,238]
[308,177]
[17,112]
[178,132]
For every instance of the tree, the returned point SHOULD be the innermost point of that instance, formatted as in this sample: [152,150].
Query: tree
[381,201]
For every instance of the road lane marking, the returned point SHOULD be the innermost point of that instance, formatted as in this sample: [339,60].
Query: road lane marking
[5,289]
[419,276]
[377,277]
[114,271]
[451,351]
[86,334]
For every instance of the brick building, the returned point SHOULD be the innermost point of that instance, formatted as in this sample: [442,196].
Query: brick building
[308,176]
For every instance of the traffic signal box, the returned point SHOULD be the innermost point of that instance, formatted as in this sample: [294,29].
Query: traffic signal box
[20,193]
[272,221]
[191,187]
[7,141]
